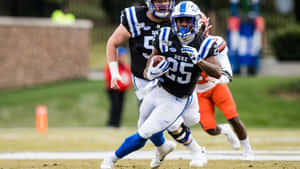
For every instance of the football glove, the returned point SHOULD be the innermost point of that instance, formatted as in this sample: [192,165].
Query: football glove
[158,70]
[192,53]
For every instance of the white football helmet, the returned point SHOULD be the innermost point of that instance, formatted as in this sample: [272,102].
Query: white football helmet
[160,10]
[186,9]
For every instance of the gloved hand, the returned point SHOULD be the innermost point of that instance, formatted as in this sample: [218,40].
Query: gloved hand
[192,53]
[158,70]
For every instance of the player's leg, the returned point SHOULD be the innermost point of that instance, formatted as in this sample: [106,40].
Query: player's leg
[168,110]
[143,88]
[181,133]
[145,110]
[135,141]
[226,104]
[208,120]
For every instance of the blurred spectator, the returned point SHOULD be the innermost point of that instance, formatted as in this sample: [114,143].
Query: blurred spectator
[116,97]
[60,17]
[284,7]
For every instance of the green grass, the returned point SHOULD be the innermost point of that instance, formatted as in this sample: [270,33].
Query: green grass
[74,103]
[84,103]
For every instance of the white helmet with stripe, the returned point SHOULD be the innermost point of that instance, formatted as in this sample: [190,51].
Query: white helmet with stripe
[186,9]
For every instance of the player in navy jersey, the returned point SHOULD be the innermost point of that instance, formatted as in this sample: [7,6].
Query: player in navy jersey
[187,54]
[139,25]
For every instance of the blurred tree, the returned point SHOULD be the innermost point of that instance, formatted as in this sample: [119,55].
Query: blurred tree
[113,8]
[33,8]
[297,10]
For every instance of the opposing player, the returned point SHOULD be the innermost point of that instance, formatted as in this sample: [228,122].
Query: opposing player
[139,25]
[174,96]
[211,92]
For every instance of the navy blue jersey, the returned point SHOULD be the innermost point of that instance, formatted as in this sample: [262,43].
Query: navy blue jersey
[183,75]
[142,31]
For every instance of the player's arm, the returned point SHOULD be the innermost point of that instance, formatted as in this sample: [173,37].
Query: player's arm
[210,66]
[119,37]
[205,58]
[225,67]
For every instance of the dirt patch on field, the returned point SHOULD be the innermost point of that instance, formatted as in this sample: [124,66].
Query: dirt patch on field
[289,95]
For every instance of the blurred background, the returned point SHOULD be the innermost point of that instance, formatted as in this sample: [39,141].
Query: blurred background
[52,53]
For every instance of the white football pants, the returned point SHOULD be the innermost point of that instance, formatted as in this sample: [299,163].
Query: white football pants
[161,110]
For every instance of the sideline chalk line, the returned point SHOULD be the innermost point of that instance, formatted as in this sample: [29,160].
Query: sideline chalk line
[260,155]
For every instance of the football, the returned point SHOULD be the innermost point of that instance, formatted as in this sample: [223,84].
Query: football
[156,59]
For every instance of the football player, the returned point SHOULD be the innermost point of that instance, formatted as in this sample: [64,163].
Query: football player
[213,92]
[139,25]
[187,55]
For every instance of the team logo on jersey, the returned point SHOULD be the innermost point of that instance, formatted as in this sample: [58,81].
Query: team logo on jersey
[140,25]
[167,43]
[147,28]
[173,50]
[216,50]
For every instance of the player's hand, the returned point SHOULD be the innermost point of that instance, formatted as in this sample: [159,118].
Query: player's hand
[192,53]
[114,82]
[158,70]
[213,80]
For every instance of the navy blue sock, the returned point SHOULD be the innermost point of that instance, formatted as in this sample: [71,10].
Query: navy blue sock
[131,143]
[158,139]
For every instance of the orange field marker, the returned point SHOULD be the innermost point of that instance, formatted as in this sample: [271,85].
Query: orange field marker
[41,119]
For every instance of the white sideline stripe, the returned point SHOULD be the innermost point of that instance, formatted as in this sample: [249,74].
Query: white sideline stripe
[260,155]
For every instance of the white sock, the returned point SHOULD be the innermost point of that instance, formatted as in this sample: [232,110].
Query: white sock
[163,147]
[114,158]
[223,129]
[193,146]
[246,145]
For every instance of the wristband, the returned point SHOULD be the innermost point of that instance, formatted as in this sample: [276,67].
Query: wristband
[114,69]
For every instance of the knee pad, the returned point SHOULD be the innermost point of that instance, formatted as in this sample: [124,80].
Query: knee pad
[183,135]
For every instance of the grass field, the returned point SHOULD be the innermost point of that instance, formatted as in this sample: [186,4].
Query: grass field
[84,103]
[102,139]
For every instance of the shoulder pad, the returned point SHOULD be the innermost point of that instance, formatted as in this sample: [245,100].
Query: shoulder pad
[164,39]
[132,14]
[221,43]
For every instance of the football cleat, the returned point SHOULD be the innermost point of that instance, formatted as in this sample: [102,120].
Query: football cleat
[160,155]
[231,137]
[199,158]
[248,156]
[107,163]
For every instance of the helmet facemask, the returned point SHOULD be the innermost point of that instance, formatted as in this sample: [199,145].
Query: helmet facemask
[160,8]
[185,28]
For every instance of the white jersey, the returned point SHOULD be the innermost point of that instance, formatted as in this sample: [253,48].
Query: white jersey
[205,82]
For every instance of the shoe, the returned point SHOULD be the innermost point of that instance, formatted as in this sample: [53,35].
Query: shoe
[160,155]
[107,163]
[231,137]
[199,158]
[248,156]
